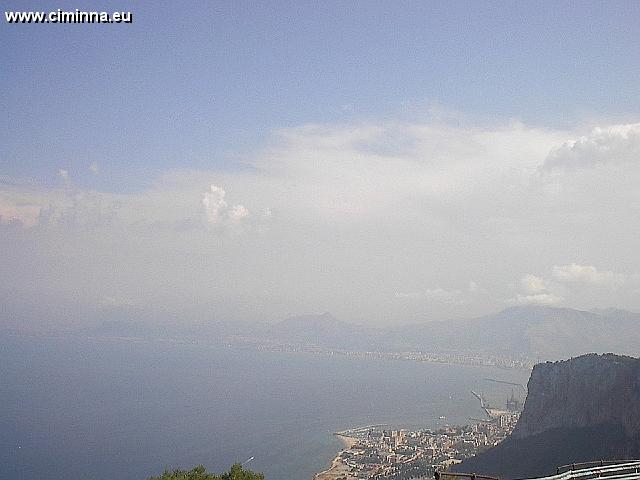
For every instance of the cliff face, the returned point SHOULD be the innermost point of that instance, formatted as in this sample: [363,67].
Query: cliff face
[582,392]
[583,409]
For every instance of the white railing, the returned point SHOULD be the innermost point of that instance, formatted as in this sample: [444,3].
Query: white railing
[622,470]
[603,470]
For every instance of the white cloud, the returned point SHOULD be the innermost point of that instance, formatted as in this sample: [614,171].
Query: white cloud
[334,217]
[538,299]
[238,212]
[214,204]
[615,144]
[217,210]
[533,285]
[63,174]
[536,290]
[574,273]
[368,172]
[94,168]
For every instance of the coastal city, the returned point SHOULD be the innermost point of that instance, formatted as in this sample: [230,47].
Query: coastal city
[458,357]
[379,453]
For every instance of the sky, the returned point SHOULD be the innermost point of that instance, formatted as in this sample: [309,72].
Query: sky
[389,162]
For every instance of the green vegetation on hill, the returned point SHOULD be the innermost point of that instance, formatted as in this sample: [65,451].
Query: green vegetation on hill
[200,473]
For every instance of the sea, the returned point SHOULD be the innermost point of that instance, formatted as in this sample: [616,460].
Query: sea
[77,408]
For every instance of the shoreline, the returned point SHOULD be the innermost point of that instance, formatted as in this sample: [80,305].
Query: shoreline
[389,452]
[337,468]
[347,441]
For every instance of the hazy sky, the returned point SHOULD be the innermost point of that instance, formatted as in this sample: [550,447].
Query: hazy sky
[389,162]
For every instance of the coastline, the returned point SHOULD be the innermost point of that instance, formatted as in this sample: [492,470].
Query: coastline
[373,452]
[347,440]
[338,469]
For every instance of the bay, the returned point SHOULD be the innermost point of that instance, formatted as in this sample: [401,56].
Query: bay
[77,408]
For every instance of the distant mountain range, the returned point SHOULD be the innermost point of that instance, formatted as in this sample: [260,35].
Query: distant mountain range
[578,410]
[534,332]
[544,333]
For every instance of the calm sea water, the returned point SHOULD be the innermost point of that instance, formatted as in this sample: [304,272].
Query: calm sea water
[78,409]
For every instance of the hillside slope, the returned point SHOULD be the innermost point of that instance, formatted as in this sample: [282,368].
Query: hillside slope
[586,408]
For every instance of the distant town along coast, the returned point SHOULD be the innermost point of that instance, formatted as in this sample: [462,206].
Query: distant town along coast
[379,452]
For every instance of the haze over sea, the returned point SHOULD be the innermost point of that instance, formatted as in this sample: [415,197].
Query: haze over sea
[77,408]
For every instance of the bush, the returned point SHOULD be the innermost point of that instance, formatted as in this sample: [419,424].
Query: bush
[200,473]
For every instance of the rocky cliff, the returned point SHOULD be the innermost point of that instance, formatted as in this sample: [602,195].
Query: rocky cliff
[586,408]
[582,392]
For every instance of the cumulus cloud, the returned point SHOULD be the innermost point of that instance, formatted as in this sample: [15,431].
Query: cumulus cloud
[214,204]
[536,290]
[533,285]
[217,210]
[238,212]
[574,273]
[569,279]
[615,144]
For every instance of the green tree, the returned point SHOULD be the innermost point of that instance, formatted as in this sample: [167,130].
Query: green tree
[238,473]
[200,473]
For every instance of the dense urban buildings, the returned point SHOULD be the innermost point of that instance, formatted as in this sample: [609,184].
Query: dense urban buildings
[378,453]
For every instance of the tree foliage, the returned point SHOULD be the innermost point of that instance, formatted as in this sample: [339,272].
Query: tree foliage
[200,473]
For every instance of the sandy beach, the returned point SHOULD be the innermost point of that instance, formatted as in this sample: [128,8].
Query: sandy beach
[338,469]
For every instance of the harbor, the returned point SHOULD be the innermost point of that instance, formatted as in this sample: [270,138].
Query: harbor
[379,452]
